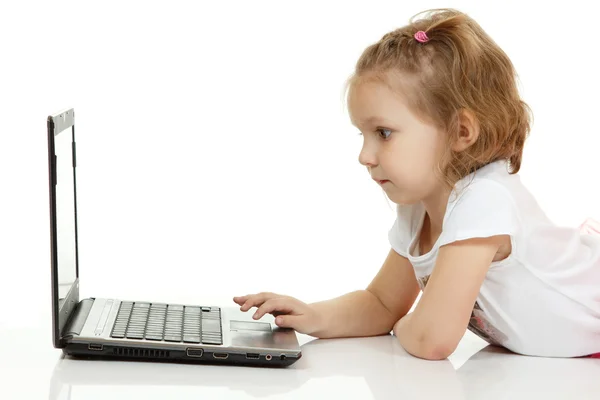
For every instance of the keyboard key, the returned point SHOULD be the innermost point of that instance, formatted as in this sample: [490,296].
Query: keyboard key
[136,335]
[191,338]
[212,341]
[172,338]
[154,328]
[211,325]
[154,337]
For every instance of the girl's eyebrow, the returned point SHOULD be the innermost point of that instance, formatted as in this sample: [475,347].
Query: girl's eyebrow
[374,120]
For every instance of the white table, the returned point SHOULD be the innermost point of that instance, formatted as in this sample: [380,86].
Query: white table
[361,368]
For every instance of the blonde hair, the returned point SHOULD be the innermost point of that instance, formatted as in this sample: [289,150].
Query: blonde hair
[459,68]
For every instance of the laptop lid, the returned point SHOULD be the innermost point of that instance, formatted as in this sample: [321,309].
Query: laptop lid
[63,220]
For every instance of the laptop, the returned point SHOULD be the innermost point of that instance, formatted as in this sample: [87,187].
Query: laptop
[98,327]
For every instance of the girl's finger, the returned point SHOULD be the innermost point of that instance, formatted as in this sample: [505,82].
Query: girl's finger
[239,300]
[257,300]
[295,322]
[283,305]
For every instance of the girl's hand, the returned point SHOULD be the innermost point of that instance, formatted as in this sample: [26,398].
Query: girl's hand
[288,311]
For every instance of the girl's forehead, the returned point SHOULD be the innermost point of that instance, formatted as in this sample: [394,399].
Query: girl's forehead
[378,87]
[374,102]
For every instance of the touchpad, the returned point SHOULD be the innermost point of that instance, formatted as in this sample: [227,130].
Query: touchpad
[249,326]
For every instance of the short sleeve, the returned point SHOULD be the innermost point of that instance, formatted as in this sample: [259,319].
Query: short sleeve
[484,209]
[402,231]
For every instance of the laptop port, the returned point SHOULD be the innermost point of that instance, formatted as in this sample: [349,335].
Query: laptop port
[194,352]
[96,347]
[252,356]
[221,356]
[268,357]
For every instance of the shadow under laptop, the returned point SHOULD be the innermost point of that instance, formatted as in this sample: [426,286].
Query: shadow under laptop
[375,367]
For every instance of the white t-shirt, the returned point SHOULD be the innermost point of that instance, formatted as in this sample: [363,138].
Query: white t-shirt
[544,298]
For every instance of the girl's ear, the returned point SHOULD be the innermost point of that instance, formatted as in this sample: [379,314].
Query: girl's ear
[468,130]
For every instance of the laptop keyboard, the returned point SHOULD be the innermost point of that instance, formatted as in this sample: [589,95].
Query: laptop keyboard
[171,323]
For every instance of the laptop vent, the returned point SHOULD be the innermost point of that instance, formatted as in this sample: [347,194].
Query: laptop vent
[133,352]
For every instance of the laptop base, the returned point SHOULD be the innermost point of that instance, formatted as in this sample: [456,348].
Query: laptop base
[191,355]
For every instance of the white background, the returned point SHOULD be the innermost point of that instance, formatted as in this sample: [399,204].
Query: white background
[215,153]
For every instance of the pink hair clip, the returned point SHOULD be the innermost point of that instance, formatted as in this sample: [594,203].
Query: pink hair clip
[421,36]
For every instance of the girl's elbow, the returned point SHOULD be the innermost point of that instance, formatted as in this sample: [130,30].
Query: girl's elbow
[441,345]
[439,350]
[434,350]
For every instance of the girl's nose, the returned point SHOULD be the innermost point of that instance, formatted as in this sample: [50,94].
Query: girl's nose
[367,157]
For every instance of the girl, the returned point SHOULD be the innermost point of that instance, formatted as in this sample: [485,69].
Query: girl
[444,129]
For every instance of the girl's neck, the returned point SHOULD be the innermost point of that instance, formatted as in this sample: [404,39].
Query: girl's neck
[435,207]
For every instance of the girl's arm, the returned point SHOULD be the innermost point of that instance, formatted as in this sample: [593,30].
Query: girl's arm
[369,312]
[373,311]
[442,315]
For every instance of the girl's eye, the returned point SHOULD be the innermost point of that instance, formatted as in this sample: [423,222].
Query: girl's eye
[384,133]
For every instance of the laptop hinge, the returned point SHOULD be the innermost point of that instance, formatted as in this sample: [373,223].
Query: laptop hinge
[75,324]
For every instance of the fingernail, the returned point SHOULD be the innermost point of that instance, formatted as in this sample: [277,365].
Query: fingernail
[255,315]
[278,320]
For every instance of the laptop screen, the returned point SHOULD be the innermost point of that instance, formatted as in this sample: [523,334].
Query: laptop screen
[65,213]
